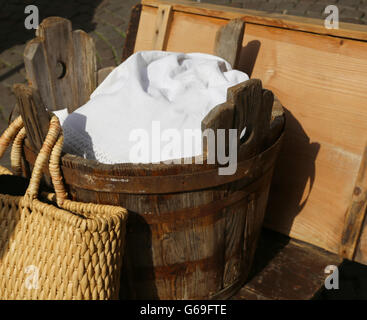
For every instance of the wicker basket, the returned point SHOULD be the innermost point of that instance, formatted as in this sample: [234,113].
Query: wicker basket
[70,251]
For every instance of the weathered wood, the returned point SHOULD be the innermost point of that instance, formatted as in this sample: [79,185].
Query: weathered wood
[286,269]
[142,180]
[277,123]
[163,20]
[38,75]
[131,32]
[192,257]
[183,238]
[239,253]
[57,39]
[62,73]
[319,161]
[356,213]
[253,108]
[195,236]
[247,106]
[61,64]
[220,117]
[228,41]
[35,117]
[103,73]
[84,68]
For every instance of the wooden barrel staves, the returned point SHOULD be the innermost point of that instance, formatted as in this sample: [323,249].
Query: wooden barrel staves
[191,232]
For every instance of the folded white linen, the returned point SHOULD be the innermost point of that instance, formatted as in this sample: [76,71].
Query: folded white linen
[153,91]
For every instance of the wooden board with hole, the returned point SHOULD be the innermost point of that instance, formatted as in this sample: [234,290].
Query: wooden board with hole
[320,76]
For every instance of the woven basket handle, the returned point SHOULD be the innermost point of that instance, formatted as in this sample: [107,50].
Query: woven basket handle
[43,157]
[51,149]
[9,134]
[55,171]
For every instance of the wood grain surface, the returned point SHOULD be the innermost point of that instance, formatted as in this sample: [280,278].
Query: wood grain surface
[321,81]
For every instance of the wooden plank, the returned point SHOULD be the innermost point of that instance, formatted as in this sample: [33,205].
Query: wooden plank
[346,30]
[220,117]
[35,117]
[85,68]
[38,75]
[228,41]
[132,31]
[178,40]
[286,269]
[56,34]
[320,148]
[321,81]
[247,106]
[277,123]
[252,111]
[61,64]
[356,212]
[160,34]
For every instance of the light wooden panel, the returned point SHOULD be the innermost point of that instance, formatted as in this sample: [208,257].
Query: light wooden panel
[163,18]
[322,82]
[346,30]
[181,24]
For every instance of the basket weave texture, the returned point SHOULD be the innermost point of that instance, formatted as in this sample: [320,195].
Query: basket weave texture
[51,247]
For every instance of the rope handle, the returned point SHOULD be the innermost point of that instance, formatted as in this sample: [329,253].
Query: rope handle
[9,134]
[42,158]
[51,150]
[55,171]
[16,152]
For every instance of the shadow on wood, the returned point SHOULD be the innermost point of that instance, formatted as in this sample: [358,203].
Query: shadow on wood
[248,56]
[138,283]
[286,269]
[294,175]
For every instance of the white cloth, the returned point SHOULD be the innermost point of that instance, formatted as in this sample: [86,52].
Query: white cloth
[176,89]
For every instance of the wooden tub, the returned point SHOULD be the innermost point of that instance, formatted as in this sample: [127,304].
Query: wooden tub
[192,233]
